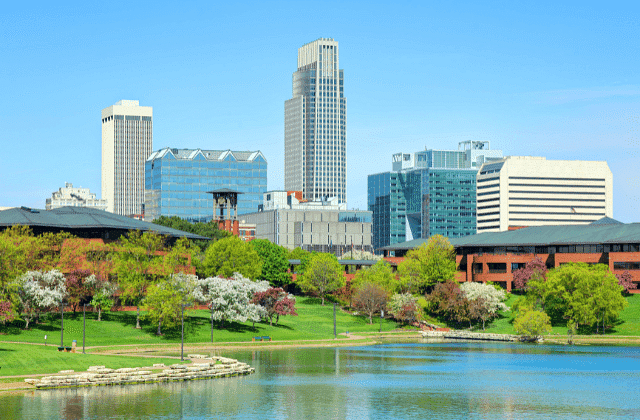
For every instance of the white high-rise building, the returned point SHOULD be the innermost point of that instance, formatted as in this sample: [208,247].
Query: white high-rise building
[315,125]
[520,191]
[127,141]
[76,197]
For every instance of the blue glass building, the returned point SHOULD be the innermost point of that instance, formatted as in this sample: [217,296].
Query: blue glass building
[432,192]
[177,181]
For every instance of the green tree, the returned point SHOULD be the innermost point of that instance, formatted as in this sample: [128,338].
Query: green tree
[138,264]
[209,229]
[164,299]
[381,274]
[532,323]
[275,264]
[231,255]
[433,262]
[587,295]
[322,276]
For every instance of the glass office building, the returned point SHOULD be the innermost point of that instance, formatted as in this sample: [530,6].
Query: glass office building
[432,192]
[177,181]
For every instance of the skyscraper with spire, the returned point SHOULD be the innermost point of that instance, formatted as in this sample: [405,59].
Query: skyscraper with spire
[315,125]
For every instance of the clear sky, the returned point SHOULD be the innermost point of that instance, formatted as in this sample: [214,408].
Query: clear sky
[556,79]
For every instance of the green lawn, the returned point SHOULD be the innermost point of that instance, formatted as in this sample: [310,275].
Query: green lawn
[26,359]
[314,322]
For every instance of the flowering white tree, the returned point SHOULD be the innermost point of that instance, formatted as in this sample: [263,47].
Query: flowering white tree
[39,292]
[484,299]
[230,299]
[356,254]
[103,298]
[404,307]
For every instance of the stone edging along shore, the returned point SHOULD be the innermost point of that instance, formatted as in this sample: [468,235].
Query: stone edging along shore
[211,367]
[467,335]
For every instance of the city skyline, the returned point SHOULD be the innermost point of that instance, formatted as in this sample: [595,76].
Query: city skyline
[545,80]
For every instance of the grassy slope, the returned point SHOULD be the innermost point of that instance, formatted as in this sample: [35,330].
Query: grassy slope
[628,323]
[314,322]
[25,359]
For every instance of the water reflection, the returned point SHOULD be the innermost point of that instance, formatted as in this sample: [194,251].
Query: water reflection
[402,380]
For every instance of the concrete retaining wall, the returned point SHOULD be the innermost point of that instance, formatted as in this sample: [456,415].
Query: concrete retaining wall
[214,367]
[467,335]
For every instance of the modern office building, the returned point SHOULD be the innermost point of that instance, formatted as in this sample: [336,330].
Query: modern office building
[523,191]
[75,197]
[178,181]
[322,226]
[315,125]
[432,192]
[127,141]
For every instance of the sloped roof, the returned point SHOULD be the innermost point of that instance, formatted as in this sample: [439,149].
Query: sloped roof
[190,154]
[70,218]
[600,232]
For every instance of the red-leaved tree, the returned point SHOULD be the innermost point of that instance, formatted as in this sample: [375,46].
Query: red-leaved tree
[6,314]
[81,286]
[370,299]
[447,300]
[626,280]
[535,267]
[276,302]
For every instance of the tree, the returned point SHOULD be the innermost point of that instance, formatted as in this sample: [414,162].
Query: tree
[404,307]
[231,255]
[103,298]
[138,264]
[532,323]
[381,274]
[6,312]
[485,299]
[447,300]
[433,262]
[164,299]
[209,229]
[79,285]
[584,294]
[322,276]
[275,264]
[40,292]
[230,299]
[356,254]
[625,279]
[276,302]
[536,268]
[370,298]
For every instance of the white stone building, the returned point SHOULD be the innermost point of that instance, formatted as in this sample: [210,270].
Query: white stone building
[315,125]
[520,191]
[127,141]
[75,197]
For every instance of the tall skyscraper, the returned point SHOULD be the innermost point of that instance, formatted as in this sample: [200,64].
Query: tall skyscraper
[315,125]
[127,142]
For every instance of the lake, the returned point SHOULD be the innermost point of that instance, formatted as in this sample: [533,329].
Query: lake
[401,380]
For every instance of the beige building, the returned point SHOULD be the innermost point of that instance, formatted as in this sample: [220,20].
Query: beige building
[127,141]
[74,197]
[324,226]
[521,191]
[315,125]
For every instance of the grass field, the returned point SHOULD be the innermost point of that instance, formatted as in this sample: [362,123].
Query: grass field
[26,359]
[314,322]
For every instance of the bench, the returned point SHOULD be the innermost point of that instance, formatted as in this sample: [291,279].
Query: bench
[67,349]
[266,338]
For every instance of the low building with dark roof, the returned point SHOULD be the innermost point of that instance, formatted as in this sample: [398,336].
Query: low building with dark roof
[493,256]
[83,222]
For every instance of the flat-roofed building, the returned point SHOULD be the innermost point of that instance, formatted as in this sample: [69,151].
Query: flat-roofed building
[75,197]
[520,191]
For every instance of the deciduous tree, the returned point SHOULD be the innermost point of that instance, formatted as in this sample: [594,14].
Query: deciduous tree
[40,292]
[370,298]
[404,307]
[232,255]
[103,297]
[447,300]
[381,274]
[625,279]
[276,302]
[275,264]
[322,276]
[164,299]
[433,262]
[536,268]
[532,323]
[209,229]
[486,300]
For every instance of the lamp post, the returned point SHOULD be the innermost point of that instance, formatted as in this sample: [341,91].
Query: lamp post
[61,323]
[335,335]
[381,316]
[84,324]
[211,320]
[182,342]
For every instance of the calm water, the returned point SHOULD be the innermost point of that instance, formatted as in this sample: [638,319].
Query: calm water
[417,380]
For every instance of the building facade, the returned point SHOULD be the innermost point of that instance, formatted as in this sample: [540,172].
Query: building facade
[523,191]
[432,192]
[315,125]
[178,181]
[322,226]
[127,141]
[75,197]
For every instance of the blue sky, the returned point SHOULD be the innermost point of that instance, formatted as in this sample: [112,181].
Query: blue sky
[558,79]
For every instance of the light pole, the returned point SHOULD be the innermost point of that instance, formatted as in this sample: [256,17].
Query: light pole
[84,324]
[211,320]
[61,324]
[182,342]
[334,322]
[381,316]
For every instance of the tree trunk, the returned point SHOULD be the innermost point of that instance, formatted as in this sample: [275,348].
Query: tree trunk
[482,324]
[370,319]
[277,318]
[323,300]
[26,320]
[138,319]
[99,313]
[159,324]
[221,324]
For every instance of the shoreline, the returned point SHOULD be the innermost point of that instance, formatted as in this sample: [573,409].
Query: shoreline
[162,350]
